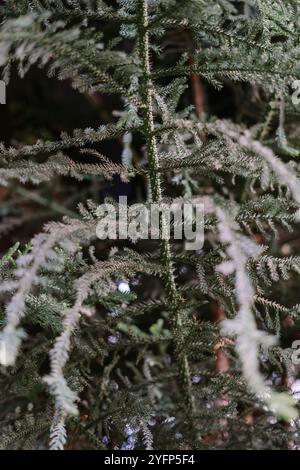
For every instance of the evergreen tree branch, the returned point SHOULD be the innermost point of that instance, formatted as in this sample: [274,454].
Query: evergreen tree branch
[156,193]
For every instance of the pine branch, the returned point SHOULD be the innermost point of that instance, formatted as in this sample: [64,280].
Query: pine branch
[156,191]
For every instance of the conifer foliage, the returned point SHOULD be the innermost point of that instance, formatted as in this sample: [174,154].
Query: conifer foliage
[90,357]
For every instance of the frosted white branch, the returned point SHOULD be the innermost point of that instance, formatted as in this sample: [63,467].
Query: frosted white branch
[243,326]
[58,434]
[27,274]
[282,171]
